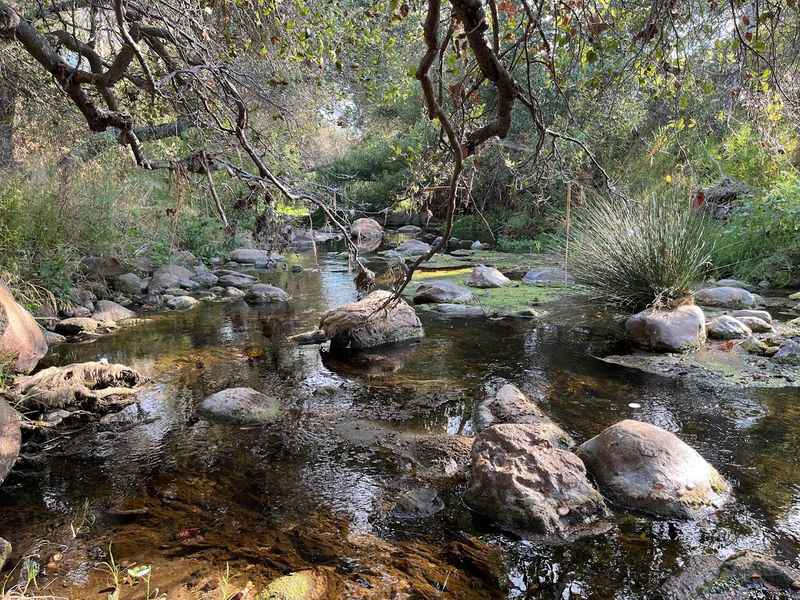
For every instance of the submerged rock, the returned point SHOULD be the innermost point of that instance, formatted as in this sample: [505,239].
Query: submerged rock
[678,330]
[366,228]
[442,292]
[263,293]
[10,440]
[547,275]
[20,336]
[745,575]
[523,483]
[421,502]
[487,277]
[725,297]
[242,404]
[106,310]
[644,467]
[726,327]
[374,321]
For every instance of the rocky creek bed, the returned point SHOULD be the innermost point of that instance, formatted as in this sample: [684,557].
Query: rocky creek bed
[356,478]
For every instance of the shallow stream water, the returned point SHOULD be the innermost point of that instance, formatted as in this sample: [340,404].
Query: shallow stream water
[319,487]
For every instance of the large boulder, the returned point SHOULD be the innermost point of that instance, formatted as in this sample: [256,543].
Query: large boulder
[10,439]
[374,321]
[726,327]
[487,277]
[725,297]
[20,336]
[106,310]
[263,293]
[644,467]
[442,292]
[546,276]
[523,483]
[130,283]
[169,276]
[413,248]
[242,404]
[366,228]
[678,330]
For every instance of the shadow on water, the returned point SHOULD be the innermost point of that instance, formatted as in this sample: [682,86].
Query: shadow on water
[319,486]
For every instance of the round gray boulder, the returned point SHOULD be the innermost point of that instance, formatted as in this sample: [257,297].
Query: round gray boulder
[726,327]
[725,297]
[442,292]
[678,330]
[487,277]
[263,293]
[547,275]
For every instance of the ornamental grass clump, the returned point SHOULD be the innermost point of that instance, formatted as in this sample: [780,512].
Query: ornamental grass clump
[639,254]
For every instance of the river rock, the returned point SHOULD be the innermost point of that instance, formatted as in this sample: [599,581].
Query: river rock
[409,230]
[371,322]
[745,575]
[233,292]
[263,293]
[678,330]
[487,277]
[254,256]
[20,336]
[420,502]
[758,314]
[106,310]
[366,228]
[726,327]
[242,404]
[10,440]
[75,312]
[547,275]
[755,324]
[788,353]
[478,245]
[5,551]
[303,585]
[237,280]
[458,311]
[441,292]
[644,467]
[181,302]
[53,338]
[168,276]
[734,283]
[77,325]
[413,248]
[130,283]
[204,277]
[523,483]
[509,404]
[725,297]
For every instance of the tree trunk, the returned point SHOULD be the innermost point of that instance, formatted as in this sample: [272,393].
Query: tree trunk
[8,105]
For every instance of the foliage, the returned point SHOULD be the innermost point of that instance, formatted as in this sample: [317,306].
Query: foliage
[761,240]
[638,254]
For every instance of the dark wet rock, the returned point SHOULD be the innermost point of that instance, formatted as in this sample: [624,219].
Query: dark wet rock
[366,228]
[263,293]
[130,283]
[409,230]
[458,311]
[413,248]
[758,314]
[678,330]
[788,353]
[180,302]
[254,256]
[106,310]
[20,336]
[509,405]
[746,575]
[374,321]
[242,404]
[168,276]
[726,327]
[523,483]
[420,502]
[487,277]
[755,324]
[80,384]
[734,283]
[10,439]
[78,325]
[644,467]
[130,415]
[442,292]
[725,297]
[547,275]
[53,339]
[76,312]
[237,280]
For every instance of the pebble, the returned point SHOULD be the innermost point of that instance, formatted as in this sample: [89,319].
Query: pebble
[634,405]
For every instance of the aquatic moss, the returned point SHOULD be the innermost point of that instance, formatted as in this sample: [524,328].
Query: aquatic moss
[303,585]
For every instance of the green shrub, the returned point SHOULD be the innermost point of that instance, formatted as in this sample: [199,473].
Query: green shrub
[638,254]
